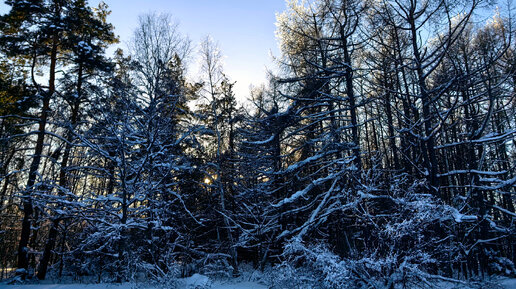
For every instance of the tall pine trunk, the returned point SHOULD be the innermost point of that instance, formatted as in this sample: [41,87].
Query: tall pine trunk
[28,209]
[63,180]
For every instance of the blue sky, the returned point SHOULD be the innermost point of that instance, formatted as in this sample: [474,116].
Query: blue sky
[244,30]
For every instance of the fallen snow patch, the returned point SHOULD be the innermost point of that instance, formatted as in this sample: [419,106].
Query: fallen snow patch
[197,281]
[509,283]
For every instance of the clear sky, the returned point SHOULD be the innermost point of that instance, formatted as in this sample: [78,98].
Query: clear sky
[244,29]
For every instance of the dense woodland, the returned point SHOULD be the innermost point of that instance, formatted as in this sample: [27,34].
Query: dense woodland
[382,152]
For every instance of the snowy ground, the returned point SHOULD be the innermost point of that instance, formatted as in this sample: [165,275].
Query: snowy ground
[195,282]
[202,282]
[214,285]
[508,283]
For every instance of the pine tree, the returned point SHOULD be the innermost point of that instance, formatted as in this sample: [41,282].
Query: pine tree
[88,36]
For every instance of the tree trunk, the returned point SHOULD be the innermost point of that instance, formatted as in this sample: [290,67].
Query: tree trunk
[23,260]
[63,180]
[351,98]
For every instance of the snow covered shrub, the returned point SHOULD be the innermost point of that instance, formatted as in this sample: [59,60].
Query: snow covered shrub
[99,253]
[399,239]
[215,265]
[287,275]
[324,268]
[160,273]
[318,267]
[501,265]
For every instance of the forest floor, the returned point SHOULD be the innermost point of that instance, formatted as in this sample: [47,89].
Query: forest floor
[194,282]
[509,283]
[202,282]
